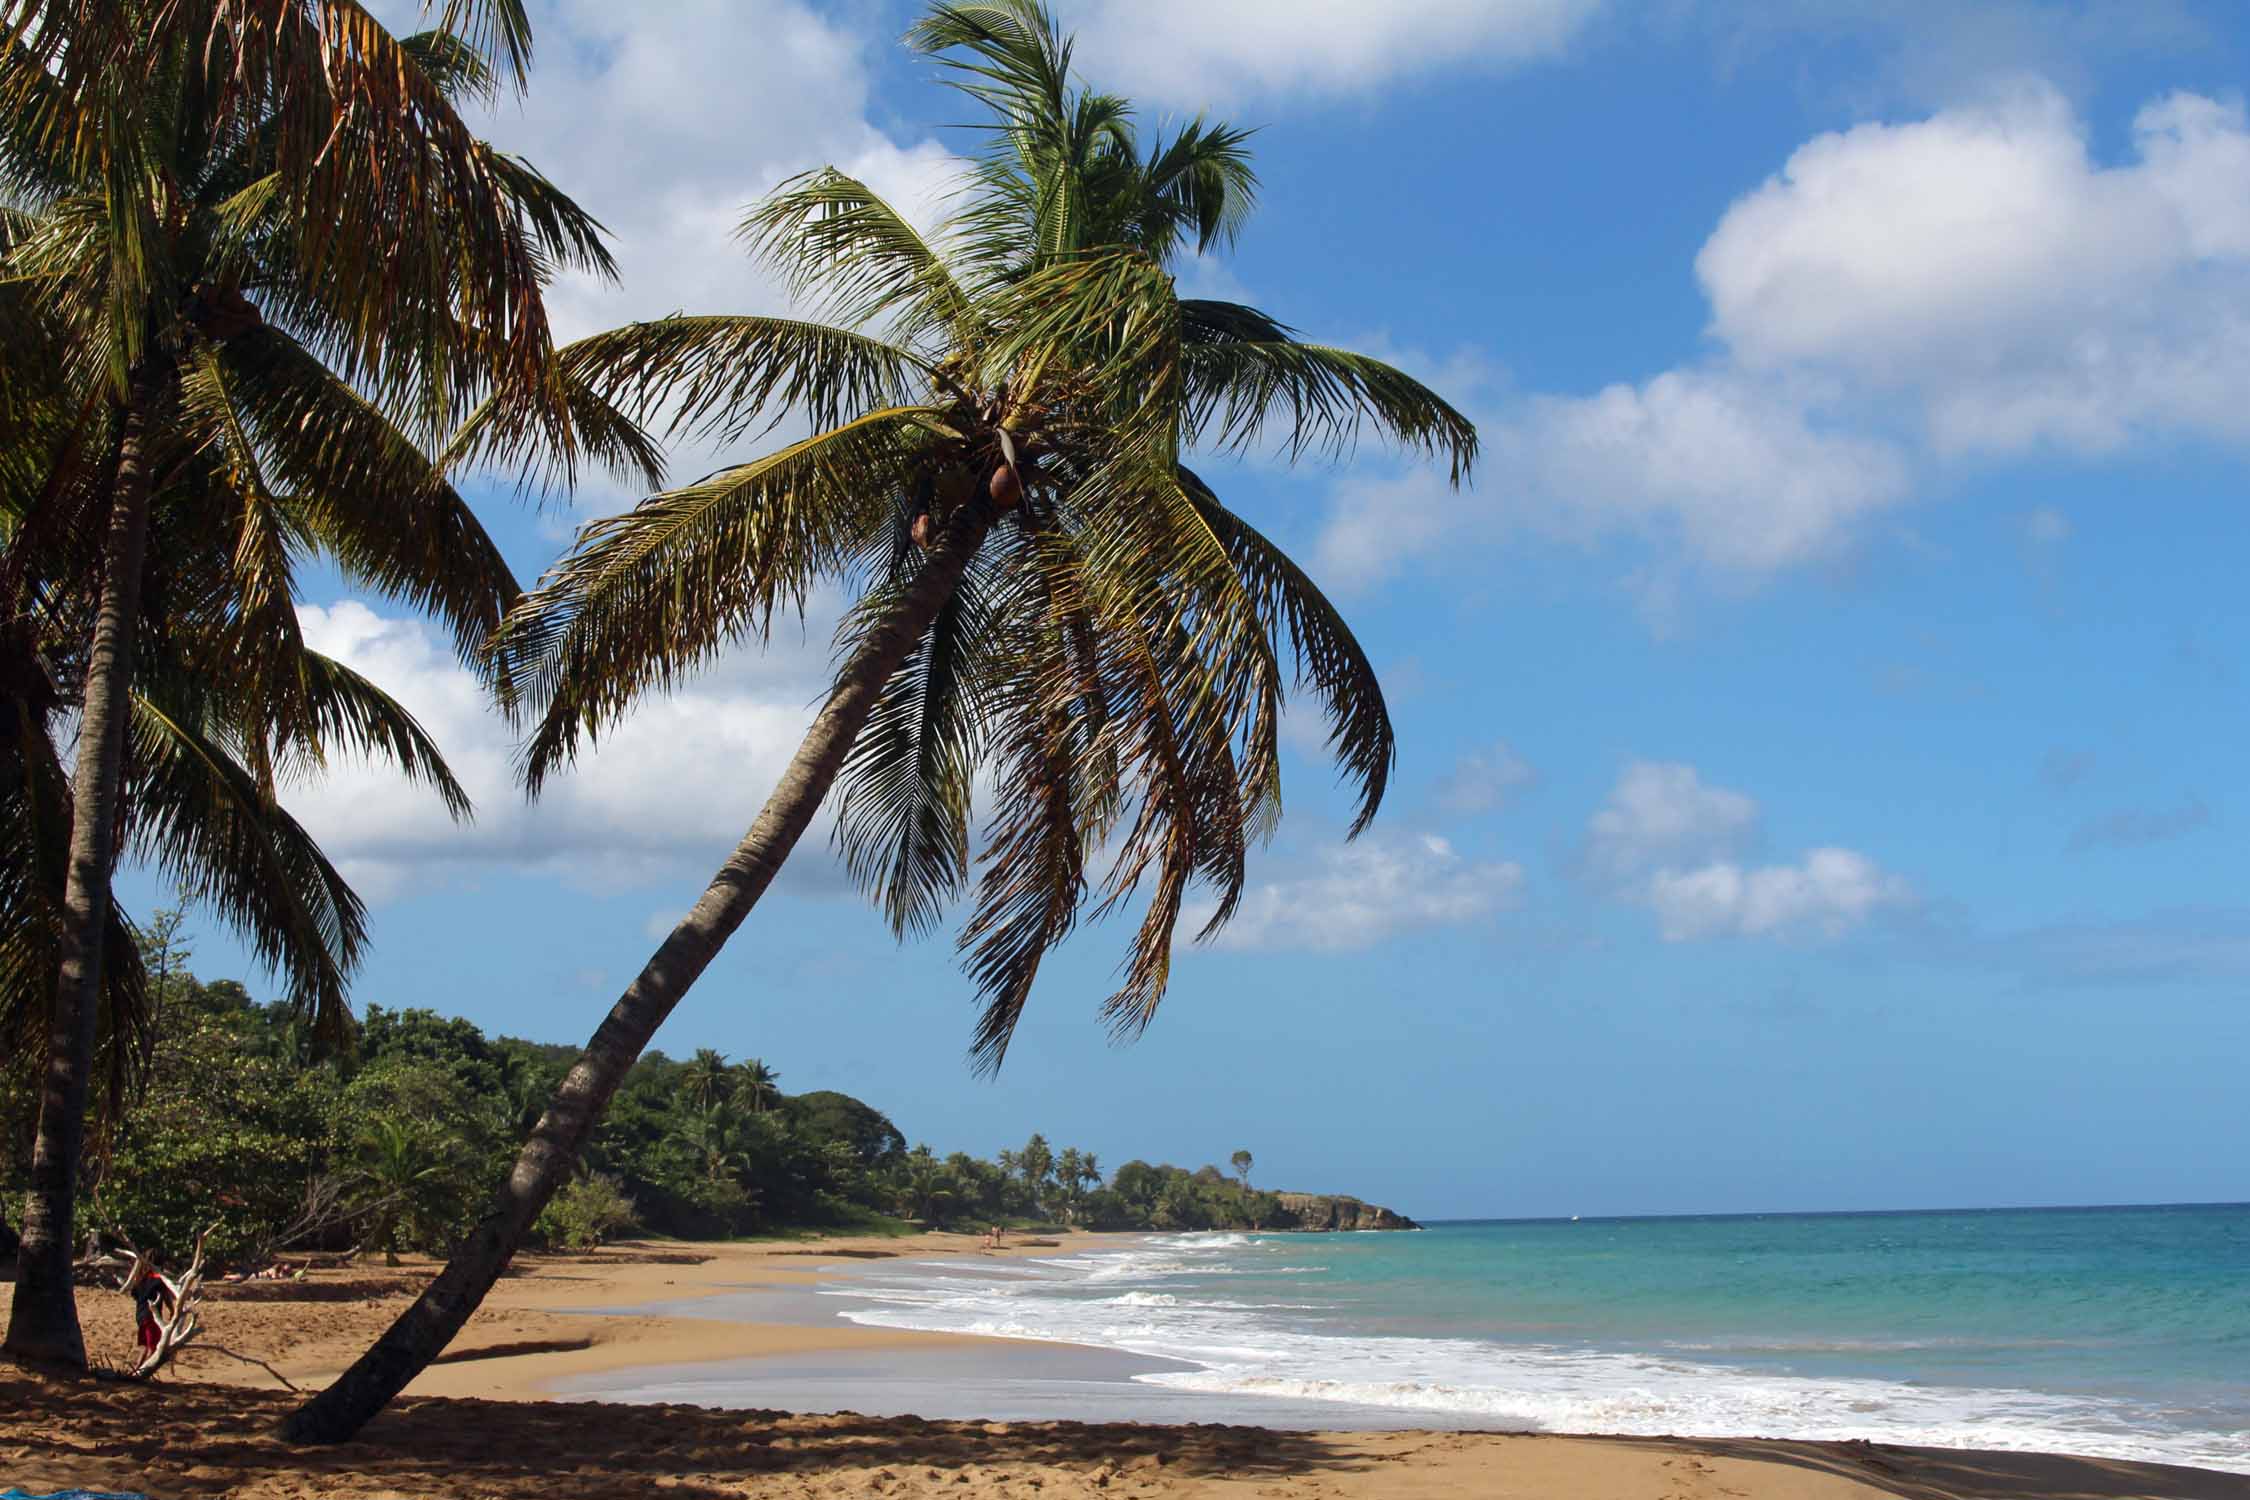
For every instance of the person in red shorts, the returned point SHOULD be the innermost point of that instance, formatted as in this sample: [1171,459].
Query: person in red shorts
[151,1294]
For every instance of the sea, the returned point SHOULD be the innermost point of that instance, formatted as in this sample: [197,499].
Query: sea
[2115,1332]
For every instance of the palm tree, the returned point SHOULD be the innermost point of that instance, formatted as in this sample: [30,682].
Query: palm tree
[705,1078]
[757,1086]
[266,255]
[924,1188]
[719,1141]
[1242,1161]
[1000,417]
[394,1160]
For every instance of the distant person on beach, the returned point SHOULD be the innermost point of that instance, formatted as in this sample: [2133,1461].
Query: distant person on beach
[151,1294]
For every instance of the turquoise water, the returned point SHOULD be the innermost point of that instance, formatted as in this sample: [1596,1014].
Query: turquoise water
[2121,1331]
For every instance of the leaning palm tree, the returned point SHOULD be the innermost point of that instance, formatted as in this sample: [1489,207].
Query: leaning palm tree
[257,228]
[1001,415]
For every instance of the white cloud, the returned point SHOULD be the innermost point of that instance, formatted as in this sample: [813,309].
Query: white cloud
[1898,299]
[1194,54]
[2016,291]
[1741,473]
[665,795]
[1483,779]
[1361,893]
[1664,813]
[1828,891]
[1669,840]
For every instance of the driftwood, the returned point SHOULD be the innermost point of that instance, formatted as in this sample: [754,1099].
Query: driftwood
[177,1325]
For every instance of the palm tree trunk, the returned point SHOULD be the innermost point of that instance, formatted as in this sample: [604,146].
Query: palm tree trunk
[43,1318]
[421,1332]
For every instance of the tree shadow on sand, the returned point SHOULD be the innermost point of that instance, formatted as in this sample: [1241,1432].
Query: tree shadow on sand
[219,1436]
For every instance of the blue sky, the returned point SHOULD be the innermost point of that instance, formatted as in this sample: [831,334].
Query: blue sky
[1820,721]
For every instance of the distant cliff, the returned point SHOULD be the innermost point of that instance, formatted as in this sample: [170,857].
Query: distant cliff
[1334,1211]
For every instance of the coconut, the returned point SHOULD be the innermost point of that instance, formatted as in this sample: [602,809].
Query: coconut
[1006,487]
[924,531]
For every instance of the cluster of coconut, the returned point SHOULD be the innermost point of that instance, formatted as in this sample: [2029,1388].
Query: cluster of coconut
[221,312]
[1004,486]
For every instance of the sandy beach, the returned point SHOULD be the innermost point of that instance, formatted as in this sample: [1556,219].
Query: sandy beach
[485,1422]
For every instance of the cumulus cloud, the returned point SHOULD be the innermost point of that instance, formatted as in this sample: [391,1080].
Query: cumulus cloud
[664,795]
[1898,298]
[1741,474]
[1192,54]
[1663,813]
[1359,894]
[1982,262]
[1828,891]
[1669,840]
[1483,779]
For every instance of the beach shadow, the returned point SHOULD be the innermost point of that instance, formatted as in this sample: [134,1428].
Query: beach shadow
[1982,1474]
[699,1442]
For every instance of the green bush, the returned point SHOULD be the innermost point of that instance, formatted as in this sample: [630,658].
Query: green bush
[585,1213]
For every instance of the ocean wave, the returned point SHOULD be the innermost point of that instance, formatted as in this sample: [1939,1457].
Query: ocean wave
[1245,1351]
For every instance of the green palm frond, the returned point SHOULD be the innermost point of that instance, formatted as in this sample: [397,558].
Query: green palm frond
[544,440]
[725,377]
[459,69]
[349,711]
[841,247]
[202,818]
[648,596]
[1328,655]
[902,818]
[360,488]
[1245,372]
[1199,183]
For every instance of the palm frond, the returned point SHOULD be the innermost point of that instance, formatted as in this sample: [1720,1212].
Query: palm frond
[1246,372]
[372,499]
[648,596]
[725,377]
[1328,655]
[201,817]
[349,711]
[842,248]
[34,860]
[903,819]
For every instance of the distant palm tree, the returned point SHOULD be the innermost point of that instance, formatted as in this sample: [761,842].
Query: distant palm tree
[1001,414]
[757,1086]
[394,1160]
[719,1139]
[705,1078]
[1242,1162]
[250,243]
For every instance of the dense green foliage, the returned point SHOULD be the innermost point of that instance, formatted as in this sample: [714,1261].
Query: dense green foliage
[396,1143]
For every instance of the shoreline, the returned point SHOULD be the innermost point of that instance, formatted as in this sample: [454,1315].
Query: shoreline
[500,1416]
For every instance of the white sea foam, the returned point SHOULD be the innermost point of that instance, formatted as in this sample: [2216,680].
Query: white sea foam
[1243,1352]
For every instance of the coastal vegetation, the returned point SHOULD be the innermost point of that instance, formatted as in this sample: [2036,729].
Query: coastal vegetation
[393,1142]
